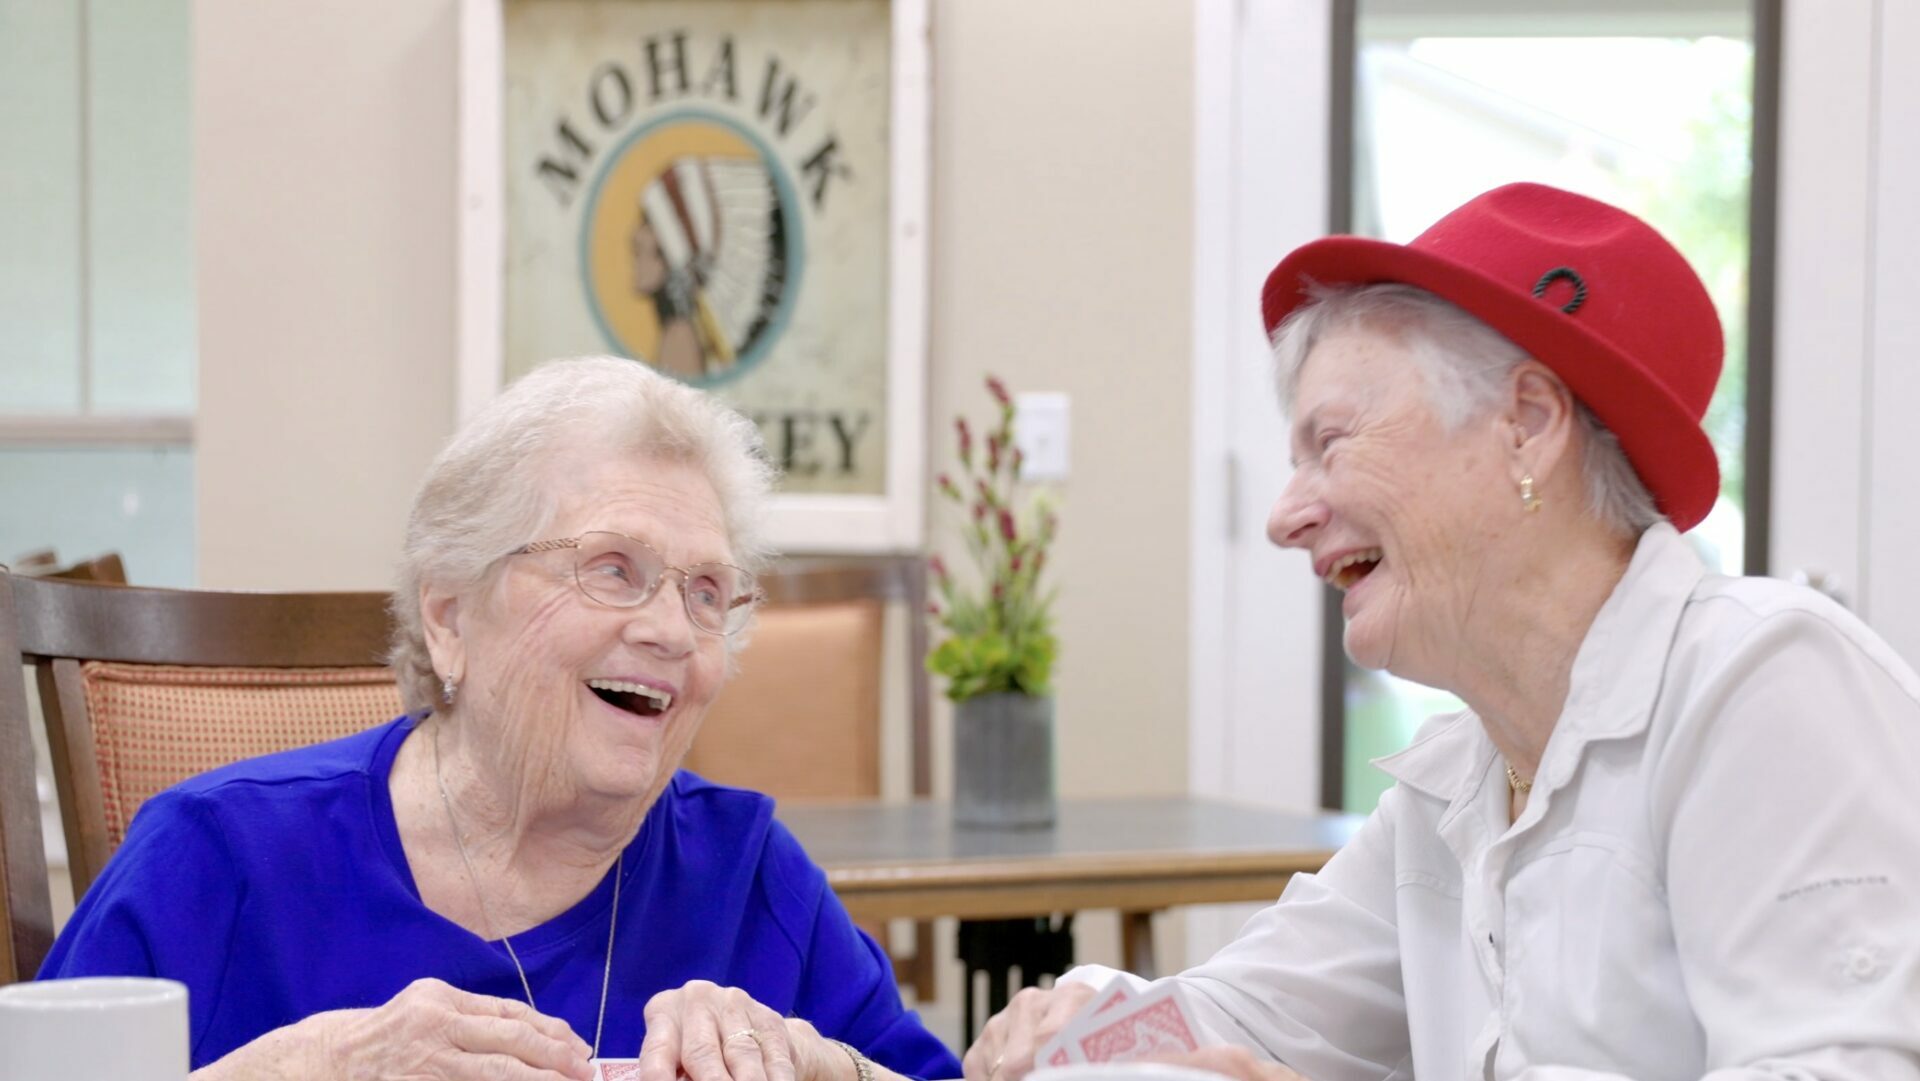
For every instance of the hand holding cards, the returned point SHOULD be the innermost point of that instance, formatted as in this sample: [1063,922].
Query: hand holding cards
[1117,1025]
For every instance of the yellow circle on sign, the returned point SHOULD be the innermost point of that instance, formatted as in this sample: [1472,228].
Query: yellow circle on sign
[686,248]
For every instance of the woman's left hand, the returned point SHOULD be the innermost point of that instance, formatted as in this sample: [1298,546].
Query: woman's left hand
[1233,1061]
[711,1033]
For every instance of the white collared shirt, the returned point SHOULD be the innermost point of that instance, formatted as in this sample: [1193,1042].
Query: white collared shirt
[1717,874]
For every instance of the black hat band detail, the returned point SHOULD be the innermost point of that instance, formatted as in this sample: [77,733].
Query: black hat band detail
[1567,272]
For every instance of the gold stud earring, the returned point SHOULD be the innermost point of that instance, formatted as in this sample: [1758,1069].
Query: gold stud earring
[1527,498]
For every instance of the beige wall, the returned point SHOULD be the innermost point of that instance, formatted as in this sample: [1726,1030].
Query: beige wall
[323,198]
[1062,253]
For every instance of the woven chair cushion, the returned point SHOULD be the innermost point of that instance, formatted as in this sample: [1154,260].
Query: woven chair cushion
[801,717]
[156,725]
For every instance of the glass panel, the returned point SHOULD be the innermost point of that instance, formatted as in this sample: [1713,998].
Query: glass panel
[39,206]
[86,501]
[140,248]
[1655,119]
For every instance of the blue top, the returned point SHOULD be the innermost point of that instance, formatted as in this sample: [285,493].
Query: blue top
[276,888]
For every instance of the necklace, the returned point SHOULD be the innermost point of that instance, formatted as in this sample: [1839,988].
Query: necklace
[619,867]
[1516,782]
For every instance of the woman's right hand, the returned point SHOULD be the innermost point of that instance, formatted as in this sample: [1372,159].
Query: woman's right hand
[431,1031]
[1004,1051]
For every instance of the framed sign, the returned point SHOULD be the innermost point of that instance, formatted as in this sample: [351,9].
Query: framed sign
[731,191]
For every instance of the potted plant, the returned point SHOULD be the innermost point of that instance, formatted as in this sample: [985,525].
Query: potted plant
[999,648]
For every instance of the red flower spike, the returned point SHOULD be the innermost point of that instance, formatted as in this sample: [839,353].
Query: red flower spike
[966,440]
[938,566]
[999,390]
[979,512]
[1007,532]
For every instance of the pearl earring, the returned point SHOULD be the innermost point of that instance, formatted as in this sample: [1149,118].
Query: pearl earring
[447,687]
[1527,498]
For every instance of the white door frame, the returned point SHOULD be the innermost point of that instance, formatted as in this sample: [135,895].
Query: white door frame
[1847,352]
[1260,189]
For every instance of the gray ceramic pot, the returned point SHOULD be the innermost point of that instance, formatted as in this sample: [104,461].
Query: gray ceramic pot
[1003,761]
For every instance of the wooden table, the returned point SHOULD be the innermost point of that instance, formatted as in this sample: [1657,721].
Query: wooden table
[910,860]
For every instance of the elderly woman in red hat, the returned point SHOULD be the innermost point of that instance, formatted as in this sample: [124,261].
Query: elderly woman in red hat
[1674,834]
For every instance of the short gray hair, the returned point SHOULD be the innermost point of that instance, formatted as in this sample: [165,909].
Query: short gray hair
[1466,365]
[486,493]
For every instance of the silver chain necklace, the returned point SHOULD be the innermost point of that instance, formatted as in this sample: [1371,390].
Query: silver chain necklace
[619,867]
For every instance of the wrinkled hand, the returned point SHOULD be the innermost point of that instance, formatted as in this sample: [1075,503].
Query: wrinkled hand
[1005,1049]
[1235,1062]
[433,1031]
[712,1033]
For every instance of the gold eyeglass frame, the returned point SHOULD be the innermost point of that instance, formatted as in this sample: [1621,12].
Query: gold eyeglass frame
[752,597]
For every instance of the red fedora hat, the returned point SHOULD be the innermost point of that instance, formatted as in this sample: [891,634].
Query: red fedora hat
[1589,290]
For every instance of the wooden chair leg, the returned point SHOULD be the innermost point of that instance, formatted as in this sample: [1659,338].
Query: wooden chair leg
[26,905]
[1136,943]
[921,968]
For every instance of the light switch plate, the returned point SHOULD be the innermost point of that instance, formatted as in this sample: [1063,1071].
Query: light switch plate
[1042,426]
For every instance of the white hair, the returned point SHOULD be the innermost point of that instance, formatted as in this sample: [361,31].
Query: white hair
[489,490]
[1466,366]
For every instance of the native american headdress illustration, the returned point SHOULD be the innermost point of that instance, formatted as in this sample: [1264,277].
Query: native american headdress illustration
[719,225]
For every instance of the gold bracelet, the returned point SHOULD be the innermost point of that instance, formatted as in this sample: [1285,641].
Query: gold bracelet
[862,1065]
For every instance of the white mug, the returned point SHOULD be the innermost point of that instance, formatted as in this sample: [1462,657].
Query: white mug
[101,1028]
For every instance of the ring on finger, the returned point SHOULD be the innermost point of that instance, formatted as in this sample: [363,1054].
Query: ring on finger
[745,1032]
[995,1068]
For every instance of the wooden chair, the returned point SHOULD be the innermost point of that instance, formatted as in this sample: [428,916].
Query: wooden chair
[44,563]
[141,688]
[801,718]
[101,568]
[40,561]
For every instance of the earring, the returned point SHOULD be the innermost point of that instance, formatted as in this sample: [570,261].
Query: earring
[447,687]
[1527,500]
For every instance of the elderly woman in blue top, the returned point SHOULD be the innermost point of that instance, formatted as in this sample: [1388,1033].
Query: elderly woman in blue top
[513,878]
[1673,836]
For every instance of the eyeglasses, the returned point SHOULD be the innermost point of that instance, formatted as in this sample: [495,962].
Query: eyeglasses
[624,572]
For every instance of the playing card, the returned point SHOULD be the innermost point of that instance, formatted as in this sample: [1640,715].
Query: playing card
[1113,994]
[616,1069]
[1159,1022]
[1055,1052]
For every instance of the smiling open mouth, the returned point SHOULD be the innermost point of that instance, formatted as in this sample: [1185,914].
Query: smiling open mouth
[632,697]
[1347,571]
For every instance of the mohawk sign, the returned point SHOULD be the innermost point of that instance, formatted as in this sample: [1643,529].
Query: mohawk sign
[701,186]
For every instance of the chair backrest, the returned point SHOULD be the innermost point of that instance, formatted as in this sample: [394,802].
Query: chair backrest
[101,568]
[801,718]
[142,688]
